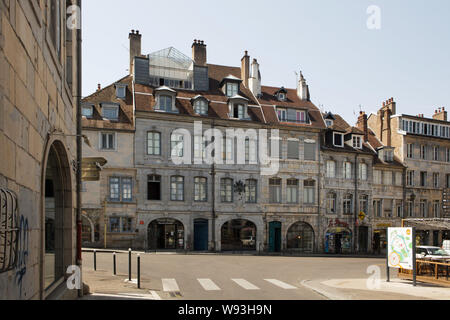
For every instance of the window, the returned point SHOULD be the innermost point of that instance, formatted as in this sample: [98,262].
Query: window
[436,183]
[107,141]
[377,208]
[120,225]
[279,142]
[282,115]
[121,91]
[292,191]
[200,145]
[177,145]
[120,189]
[410,150]
[399,209]
[388,156]
[300,116]
[250,151]
[331,169]
[388,203]
[55,25]
[436,209]
[423,152]
[309,192]
[9,228]
[364,204]
[239,112]
[348,204]
[387,178]
[423,179]
[329,123]
[377,176]
[447,155]
[398,179]
[293,150]
[226,190]
[200,189]
[410,178]
[154,143]
[164,103]
[232,89]
[436,152]
[310,151]
[88,112]
[331,203]
[410,208]
[110,112]
[357,142]
[281,96]
[275,190]
[177,188]
[423,209]
[250,191]
[201,107]
[448,181]
[362,171]
[338,139]
[154,188]
[347,170]
[227,149]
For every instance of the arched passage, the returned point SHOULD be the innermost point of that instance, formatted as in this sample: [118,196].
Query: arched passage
[88,230]
[300,237]
[166,234]
[238,235]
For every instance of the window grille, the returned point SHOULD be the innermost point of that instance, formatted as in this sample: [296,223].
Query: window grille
[9,230]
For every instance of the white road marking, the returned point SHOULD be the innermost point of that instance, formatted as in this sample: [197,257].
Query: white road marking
[154,295]
[245,284]
[170,285]
[208,285]
[281,284]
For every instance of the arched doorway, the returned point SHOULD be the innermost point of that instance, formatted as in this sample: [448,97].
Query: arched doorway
[166,234]
[201,234]
[57,214]
[338,241]
[239,235]
[275,236]
[300,237]
[88,230]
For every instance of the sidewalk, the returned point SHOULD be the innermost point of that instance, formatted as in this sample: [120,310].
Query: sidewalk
[358,289]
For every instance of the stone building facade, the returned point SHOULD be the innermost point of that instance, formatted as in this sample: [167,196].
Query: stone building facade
[38,83]
[422,145]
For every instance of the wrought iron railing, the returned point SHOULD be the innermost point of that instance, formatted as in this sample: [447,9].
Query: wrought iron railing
[9,230]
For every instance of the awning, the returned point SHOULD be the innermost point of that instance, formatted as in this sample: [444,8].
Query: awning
[442,224]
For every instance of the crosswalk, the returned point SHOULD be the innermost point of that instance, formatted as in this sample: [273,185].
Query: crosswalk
[171,285]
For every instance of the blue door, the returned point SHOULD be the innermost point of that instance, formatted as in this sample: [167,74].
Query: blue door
[275,237]
[201,235]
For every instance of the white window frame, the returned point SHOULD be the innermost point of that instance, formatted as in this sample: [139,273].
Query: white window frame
[357,142]
[100,145]
[112,107]
[334,139]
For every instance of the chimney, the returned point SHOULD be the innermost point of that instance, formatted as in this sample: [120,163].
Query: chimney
[392,105]
[440,114]
[99,87]
[135,47]
[199,53]
[302,89]
[245,68]
[255,79]
[362,125]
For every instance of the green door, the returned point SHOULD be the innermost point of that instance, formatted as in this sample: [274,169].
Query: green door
[275,237]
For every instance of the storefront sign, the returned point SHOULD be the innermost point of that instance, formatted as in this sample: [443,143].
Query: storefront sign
[400,248]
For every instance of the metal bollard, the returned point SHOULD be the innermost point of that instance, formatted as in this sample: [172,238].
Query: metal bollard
[114,264]
[129,265]
[95,260]
[139,271]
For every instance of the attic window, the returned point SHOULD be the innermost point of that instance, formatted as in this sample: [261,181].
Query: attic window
[329,123]
[110,112]
[201,107]
[232,89]
[338,139]
[357,142]
[121,90]
[239,112]
[388,156]
[282,96]
[87,111]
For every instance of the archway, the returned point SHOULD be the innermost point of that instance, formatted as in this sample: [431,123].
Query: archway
[338,241]
[166,234]
[88,230]
[300,237]
[57,213]
[239,235]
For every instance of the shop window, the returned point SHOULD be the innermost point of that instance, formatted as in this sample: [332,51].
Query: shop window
[300,237]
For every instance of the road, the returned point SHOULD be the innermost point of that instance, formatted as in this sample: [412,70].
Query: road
[225,277]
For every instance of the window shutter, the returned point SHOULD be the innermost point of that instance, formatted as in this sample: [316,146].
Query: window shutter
[310,151]
[293,150]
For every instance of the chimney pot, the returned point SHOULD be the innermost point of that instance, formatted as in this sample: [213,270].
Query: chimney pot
[99,87]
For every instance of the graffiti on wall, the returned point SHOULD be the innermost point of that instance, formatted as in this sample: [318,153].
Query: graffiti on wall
[22,253]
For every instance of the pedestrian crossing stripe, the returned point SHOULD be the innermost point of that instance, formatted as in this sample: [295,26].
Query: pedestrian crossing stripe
[281,284]
[170,285]
[245,284]
[208,285]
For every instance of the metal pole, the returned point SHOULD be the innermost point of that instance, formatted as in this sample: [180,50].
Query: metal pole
[414,257]
[114,263]
[95,260]
[139,271]
[387,269]
[129,265]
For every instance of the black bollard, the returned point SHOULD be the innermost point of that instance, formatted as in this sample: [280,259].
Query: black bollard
[95,260]
[129,265]
[139,271]
[114,263]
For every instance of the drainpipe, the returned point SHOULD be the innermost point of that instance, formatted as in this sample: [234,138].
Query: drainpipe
[79,147]
[213,178]
[355,241]
[319,224]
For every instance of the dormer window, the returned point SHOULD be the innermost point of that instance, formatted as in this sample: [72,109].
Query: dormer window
[87,111]
[232,89]
[357,142]
[291,115]
[110,112]
[239,111]
[165,100]
[201,107]
[329,123]
[164,103]
[338,139]
[282,96]
[121,90]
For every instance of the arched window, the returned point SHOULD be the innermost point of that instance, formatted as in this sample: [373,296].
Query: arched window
[300,237]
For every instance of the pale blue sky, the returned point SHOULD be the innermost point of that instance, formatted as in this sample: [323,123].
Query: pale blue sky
[345,63]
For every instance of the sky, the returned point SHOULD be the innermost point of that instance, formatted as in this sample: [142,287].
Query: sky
[348,66]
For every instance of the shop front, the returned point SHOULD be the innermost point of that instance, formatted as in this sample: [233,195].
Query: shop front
[380,241]
[300,238]
[238,235]
[338,240]
[422,237]
[166,234]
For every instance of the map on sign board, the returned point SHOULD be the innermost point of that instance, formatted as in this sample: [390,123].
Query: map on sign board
[400,248]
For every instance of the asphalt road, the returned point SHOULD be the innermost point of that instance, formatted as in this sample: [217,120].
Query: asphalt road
[213,277]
